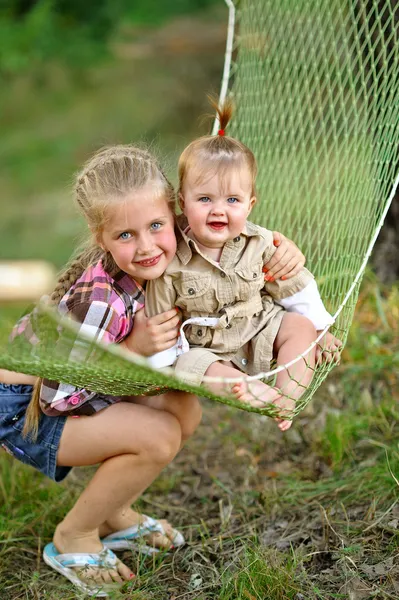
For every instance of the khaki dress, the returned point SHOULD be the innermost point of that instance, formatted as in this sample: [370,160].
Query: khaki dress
[232,290]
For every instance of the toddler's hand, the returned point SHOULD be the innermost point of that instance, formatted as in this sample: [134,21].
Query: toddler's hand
[153,334]
[328,349]
[286,262]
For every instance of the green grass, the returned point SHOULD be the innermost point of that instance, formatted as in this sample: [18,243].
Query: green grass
[151,90]
[266,516]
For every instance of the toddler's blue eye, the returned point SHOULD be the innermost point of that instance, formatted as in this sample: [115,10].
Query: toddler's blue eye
[204,199]
[232,200]
[156,226]
[125,235]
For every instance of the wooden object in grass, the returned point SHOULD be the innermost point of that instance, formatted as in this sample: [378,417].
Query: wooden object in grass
[25,279]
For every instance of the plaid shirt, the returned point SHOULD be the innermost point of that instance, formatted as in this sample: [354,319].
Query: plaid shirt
[104,303]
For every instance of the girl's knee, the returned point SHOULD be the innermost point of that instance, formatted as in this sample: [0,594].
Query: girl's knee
[187,409]
[192,414]
[163,440]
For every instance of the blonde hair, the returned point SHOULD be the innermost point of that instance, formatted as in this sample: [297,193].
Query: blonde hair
[212,154]
[106,178]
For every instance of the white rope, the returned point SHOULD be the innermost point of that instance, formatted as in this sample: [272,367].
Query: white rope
[227,60]
[223,93]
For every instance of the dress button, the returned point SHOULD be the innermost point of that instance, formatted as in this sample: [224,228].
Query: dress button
[228,326]
[244,361]
[191,291]
[74,400]
[237,239]
[199,332]
[222,274]
[254,275]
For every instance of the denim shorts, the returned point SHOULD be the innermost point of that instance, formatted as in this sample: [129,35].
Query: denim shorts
[41,454]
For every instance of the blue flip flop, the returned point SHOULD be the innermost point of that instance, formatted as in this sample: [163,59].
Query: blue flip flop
[132,538]
[64,563]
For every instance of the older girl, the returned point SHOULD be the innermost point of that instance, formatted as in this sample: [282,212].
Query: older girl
[129,206]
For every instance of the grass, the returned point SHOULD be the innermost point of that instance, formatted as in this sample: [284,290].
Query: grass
[309,515]
[51,123]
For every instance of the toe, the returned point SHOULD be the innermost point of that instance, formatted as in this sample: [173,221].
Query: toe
[159,540]
[124,572]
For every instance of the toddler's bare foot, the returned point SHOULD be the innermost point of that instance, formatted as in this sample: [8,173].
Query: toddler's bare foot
[287,406]
[257,394]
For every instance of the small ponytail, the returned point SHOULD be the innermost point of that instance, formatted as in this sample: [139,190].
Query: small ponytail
[212,154]
[224,112]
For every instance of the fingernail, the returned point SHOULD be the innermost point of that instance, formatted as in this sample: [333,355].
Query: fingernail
[267,277]
[271,279]
[276,243]
[283,278]
[265,269]
[132,575]
[172,547]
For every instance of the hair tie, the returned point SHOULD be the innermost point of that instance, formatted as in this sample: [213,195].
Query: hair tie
[221,132]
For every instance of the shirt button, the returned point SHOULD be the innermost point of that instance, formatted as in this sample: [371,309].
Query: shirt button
[237,239]
[199,332]
[228,326]
[244,361]
[191,291]
[254,275]
[222,274]
[74,400]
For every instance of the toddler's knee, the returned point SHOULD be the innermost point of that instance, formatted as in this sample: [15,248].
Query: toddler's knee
[301,324]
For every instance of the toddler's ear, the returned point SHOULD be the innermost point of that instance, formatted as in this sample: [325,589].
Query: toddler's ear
[252,203]
[181,201]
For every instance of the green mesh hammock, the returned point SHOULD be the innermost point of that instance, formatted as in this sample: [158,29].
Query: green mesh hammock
[316,89]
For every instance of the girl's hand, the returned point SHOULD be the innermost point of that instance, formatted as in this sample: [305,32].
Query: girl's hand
[153,334]
[328,349]
[286,262]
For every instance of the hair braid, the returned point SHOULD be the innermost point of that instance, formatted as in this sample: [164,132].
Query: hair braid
[106,178]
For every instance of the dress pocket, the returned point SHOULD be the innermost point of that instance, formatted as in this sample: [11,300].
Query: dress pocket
[196,294]
[250,281]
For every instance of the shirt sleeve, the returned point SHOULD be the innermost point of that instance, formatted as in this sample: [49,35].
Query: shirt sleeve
[100,322]
[308,303]
[280,288]
[160,295]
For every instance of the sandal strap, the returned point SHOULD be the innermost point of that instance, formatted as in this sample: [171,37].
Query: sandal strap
[149,525]
[105,559]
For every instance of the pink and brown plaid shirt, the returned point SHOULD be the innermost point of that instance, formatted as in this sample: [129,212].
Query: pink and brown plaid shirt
[105,304]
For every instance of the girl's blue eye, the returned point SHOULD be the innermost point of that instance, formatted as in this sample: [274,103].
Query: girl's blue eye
[204,199]
[232,200]
[125,235]
[156,226]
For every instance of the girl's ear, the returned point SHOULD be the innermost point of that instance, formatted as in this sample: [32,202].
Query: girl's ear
[181,201]
[98,238]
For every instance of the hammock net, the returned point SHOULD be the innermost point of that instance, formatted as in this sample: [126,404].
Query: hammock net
[315,84]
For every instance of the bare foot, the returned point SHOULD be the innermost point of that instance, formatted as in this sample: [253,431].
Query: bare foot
[129,517]
[72,542]
[257,394]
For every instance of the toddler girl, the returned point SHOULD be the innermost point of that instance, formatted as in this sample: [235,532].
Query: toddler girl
[128,204]
[233,318]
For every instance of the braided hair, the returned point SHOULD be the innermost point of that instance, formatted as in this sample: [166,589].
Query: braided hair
[106,178]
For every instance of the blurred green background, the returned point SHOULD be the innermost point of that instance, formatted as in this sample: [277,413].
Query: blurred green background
[75,76]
